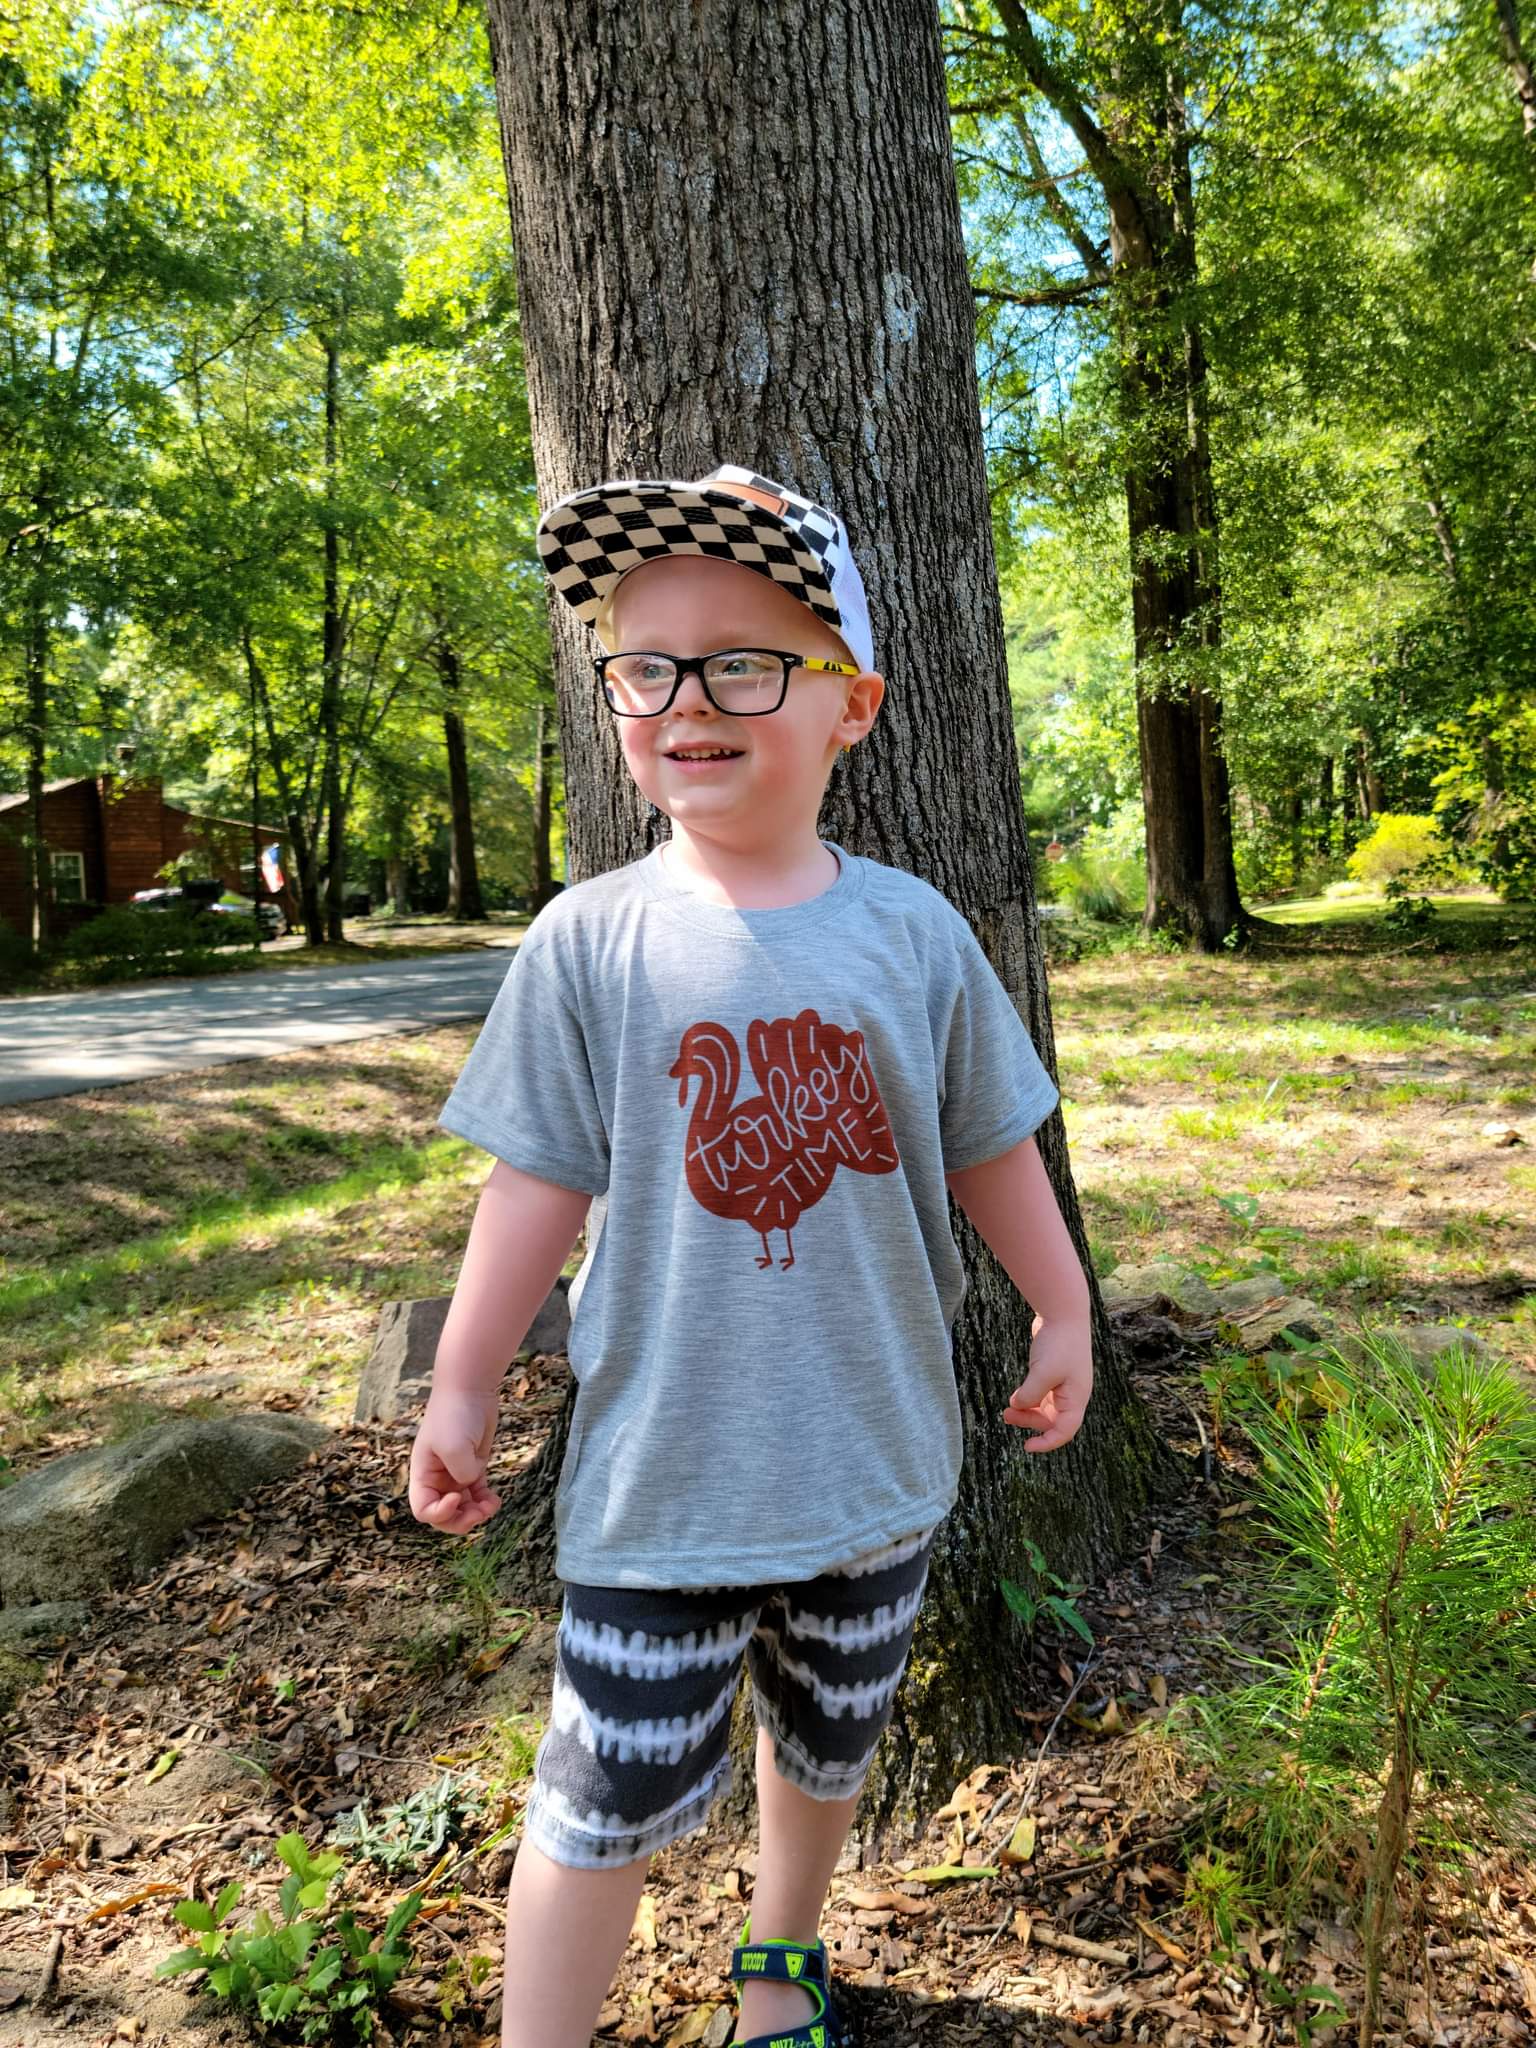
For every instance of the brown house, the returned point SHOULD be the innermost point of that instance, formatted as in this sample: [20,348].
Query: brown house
[109,835]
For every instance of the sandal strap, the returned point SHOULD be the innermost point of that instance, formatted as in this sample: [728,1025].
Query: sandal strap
[791,1962]
[809,1958]
[814,2034]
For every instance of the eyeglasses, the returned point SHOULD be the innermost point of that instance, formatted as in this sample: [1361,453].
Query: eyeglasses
[746,682]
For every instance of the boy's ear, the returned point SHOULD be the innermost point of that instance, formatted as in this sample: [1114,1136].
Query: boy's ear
[865,695]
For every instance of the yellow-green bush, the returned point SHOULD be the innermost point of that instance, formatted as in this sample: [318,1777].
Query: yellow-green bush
[1400,840]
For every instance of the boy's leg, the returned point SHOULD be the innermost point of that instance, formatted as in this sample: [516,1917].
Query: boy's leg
[800,1840]
[634,1756]
[566,1933]
[825,1662]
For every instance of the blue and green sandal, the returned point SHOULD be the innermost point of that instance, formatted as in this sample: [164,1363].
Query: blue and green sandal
[792,1962]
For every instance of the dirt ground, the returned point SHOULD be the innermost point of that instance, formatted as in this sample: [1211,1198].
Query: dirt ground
[321,1645]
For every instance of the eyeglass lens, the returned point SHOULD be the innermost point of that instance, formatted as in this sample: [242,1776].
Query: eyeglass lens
[742,679]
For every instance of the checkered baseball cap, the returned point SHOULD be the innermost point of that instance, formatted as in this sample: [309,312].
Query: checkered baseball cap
[591,539]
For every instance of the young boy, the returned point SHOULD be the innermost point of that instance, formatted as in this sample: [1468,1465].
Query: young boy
[760,1060]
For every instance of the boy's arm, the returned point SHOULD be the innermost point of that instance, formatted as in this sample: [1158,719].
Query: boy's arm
[522,1235]
[1012,1204]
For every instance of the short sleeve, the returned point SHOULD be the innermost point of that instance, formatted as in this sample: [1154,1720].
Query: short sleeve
[526,1091]
[996,1088]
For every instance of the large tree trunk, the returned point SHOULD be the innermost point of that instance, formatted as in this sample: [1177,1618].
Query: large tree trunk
[464,900]
[693,289]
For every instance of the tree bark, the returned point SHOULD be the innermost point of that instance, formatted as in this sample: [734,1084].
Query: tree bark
[738,238]
[464,899]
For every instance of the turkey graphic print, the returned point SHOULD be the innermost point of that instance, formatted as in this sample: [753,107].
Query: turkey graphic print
[765,1161]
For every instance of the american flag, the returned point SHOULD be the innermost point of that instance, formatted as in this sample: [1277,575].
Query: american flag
[271,868]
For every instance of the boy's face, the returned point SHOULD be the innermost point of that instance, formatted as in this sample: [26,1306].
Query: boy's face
[770,795]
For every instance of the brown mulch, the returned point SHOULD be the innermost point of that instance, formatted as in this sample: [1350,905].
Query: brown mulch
[326,1581]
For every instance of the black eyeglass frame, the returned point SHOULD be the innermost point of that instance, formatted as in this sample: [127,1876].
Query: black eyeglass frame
[695,667]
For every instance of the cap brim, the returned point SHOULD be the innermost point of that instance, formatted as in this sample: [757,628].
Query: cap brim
[588,542]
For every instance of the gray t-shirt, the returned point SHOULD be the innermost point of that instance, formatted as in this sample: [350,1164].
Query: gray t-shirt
[765,1103]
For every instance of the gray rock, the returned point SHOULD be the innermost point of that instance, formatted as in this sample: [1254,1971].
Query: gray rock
[399,1368]
[400,1364]
[1423,1342]
[1158,1276]
[50,1623]
[107,1517]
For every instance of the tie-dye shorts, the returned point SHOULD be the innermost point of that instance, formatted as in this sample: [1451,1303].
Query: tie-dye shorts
[636,1753]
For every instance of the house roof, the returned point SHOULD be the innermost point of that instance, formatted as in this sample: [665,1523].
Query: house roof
[14,802]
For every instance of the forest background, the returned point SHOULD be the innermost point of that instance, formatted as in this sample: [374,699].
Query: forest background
[267,493]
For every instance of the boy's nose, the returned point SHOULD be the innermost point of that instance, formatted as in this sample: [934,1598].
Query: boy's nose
[691,692]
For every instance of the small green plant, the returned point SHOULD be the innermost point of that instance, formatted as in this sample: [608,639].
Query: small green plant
[1393,1726]
[451,1986]
[1219,1895]
[1053,1596]
[267,1969]
[411,1828]
[1407,916]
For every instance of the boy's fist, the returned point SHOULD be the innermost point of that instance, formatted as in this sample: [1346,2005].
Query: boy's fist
[1058,1386]
[448,1461]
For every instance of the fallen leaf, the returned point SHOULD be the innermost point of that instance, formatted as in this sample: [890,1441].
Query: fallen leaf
[125,1905]
[949,1873]
[645,1920]
[1021,1843]
[693,2026]
[897,1901]
[161,1765]
[1160,1940]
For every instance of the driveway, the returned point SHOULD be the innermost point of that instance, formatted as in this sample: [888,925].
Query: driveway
[61,1045]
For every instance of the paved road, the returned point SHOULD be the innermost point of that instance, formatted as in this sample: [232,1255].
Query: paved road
[60,1045]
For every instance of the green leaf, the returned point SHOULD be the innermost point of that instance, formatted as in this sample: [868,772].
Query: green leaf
[183,1959]
[1066,1612]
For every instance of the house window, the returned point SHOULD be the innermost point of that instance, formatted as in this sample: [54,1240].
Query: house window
[68,877]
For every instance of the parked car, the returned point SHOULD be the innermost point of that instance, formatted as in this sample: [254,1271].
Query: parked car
[198,898]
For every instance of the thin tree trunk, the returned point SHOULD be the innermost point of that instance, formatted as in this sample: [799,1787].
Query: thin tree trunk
[39,877]
[1325,807]
[332,808]
[464,900]
[395,882]
[1138,148]
[542,779]
[843,361]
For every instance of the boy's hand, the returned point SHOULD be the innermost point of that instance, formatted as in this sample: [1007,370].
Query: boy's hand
[1059,1384]
[448,1461]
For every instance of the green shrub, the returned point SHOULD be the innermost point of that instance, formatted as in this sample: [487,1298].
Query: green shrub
[1400,841]
[123,942]
[265,1968]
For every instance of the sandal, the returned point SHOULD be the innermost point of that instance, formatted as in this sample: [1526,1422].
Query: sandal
[792,1962]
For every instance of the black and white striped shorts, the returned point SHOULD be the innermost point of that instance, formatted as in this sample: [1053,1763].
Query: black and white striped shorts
[636,1753]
